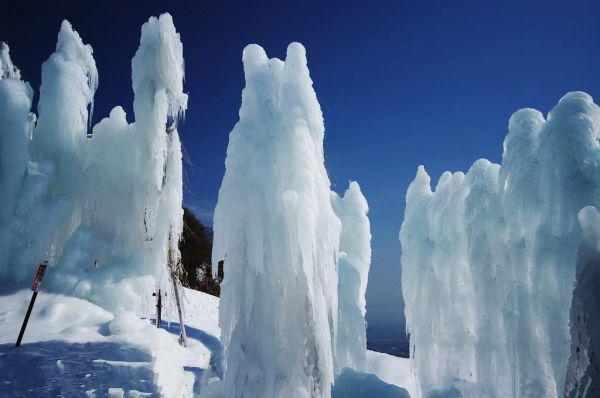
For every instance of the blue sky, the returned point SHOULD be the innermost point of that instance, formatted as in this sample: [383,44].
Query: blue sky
[400,84]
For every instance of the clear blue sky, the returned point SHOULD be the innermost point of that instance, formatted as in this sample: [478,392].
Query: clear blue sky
[400,84]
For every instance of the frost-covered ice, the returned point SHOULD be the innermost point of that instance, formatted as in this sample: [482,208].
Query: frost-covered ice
[277,229]
[103,208]
[489,258]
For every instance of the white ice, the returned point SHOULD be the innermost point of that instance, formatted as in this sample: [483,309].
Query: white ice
[291,247]
[102,206]
[353,270]
[275,228]
[489,258]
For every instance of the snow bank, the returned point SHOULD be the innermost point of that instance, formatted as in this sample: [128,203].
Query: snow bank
[489,258]
[104,208]
[72,346]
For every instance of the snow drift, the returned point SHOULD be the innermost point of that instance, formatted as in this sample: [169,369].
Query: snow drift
[103,206]
[277,231]
[489,258]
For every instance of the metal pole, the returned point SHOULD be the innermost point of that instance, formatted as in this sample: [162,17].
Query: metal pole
[26,319]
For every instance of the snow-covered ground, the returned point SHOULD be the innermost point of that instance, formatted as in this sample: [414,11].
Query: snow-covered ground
[75,348]
[392,370]
[72,347]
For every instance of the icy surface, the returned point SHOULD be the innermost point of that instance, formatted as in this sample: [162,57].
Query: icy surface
[276,230]
[489,258]
[102,206]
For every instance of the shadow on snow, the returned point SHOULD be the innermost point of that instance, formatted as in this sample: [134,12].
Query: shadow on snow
[57,368]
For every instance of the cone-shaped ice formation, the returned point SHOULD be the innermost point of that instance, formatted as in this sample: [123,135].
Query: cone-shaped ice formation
[278,235]
[489,258]
[106,208]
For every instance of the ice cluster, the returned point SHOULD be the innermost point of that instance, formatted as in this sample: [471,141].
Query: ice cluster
[280,231]
[489,258]
[103,206]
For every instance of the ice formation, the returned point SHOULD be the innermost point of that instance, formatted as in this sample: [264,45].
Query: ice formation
[104,208]
[489,258]
[16,124]
[353,271]
[276,229]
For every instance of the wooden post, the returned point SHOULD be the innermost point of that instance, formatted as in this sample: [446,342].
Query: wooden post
[158,307]
[37,282]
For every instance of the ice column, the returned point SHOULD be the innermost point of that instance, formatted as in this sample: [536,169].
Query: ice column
[16,124]
[353,271]
[278,235]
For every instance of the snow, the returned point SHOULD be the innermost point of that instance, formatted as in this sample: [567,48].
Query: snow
[103,208]
[392,370]
[72,346]
[489,258]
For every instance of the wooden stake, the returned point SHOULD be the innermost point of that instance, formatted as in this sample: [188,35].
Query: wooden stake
[37,282]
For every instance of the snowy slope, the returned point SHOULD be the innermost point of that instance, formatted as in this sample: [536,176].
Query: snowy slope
[75,348]
[72,346]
